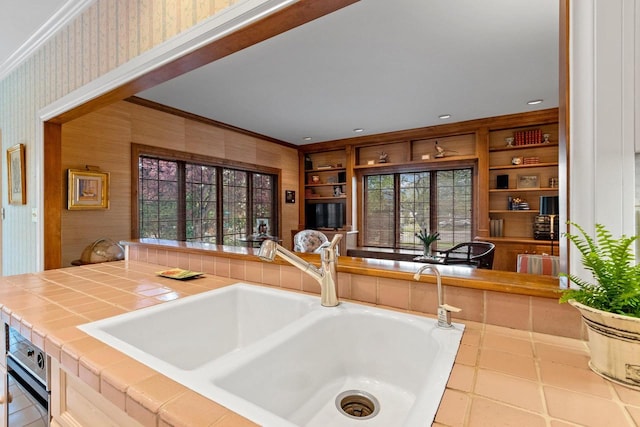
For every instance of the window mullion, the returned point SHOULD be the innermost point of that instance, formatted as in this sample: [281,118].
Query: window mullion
[182,202]
[250,216]
[396,210]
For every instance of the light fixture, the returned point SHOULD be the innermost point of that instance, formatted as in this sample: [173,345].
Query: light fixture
[444,116]
[535,102]
[358,130]
[307,138]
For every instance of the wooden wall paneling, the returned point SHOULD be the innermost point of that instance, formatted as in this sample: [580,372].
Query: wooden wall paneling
[109,133]
[99,139]
[53,191]
[482,223]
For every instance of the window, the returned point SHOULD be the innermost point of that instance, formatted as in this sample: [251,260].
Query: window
[397,205]
[197,200]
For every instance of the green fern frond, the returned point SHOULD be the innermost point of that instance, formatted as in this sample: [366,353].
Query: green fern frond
[610,261]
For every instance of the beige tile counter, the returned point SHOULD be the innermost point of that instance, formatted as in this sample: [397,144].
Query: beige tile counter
[501,377]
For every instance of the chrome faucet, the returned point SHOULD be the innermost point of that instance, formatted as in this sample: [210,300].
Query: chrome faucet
[326,274]
[444,310]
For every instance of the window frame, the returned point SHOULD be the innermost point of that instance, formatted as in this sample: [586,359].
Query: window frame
[421,167]
[138,150]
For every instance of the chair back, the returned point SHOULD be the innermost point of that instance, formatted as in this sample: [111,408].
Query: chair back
[308,240]
[479,254]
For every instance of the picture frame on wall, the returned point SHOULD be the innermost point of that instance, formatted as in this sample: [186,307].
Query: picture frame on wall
[88,190]
[528,181]
[262,226]
[17,175]
[289,196]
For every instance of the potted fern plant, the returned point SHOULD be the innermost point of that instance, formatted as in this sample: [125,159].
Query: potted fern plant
[610,308]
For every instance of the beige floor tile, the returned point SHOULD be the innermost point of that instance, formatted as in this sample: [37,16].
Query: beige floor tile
[468,355]
[575,379]
[509,344]
[462,378]
[453,409]
[512,364]
[627,394]
[472,337]
[191,409]
[634,413]
[583,409]
[578,358]
[508,389]
[488,413]
[233,420]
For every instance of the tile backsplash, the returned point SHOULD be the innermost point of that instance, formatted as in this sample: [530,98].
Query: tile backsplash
[528,313]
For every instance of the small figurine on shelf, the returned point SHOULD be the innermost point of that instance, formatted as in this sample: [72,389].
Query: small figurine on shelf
[509,140]
[440,151]
[546,137]
[384,157]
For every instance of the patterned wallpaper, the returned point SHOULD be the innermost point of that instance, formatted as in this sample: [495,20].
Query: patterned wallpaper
[107,34]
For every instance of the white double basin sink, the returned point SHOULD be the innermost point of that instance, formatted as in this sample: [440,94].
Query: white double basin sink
[281,359]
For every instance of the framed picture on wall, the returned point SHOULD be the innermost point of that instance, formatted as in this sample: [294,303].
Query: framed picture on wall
[289,196]
[17,175]
[88,190]
[528,181]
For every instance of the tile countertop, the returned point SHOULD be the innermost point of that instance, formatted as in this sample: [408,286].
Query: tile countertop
[501,376]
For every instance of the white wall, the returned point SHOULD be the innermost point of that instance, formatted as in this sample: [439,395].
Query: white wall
[604,125]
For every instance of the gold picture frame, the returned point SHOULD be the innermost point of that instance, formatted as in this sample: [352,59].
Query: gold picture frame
[17,175]
[88,190]
[528,181]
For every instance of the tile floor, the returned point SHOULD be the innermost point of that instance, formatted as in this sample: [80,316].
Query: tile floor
[508,377]
[23,411]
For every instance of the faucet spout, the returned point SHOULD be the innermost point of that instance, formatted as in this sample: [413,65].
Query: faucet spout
[444,310]
[326,275]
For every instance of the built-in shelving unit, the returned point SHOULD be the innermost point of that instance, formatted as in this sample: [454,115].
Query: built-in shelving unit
[325,183]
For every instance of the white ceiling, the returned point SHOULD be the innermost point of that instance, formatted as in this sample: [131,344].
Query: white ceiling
[378,65]
[20,20]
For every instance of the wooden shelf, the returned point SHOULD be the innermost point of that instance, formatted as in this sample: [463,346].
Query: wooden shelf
[515,211]
[521,147]
[534,165]
[331,169]
[528,241]
[326,184]
[523,190]
[417,162]
[325,197]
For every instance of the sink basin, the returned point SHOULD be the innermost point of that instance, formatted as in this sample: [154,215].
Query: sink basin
[281,359]
[400,360]
[189,332]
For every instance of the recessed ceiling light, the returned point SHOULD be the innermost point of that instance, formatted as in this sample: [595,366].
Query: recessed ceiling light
[358,130]
[444,116]
[535,102]
[307,138]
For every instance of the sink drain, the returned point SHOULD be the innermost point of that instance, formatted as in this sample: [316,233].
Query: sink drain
[357,404]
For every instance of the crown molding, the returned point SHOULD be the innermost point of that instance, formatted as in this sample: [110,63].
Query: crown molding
[62,17]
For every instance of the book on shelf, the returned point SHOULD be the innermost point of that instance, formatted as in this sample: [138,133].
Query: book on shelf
[324,167]
[495,227]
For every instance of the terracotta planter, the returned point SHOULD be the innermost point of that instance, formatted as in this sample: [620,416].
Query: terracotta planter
[614,341]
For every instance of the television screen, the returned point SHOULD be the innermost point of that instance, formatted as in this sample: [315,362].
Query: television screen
[325,215]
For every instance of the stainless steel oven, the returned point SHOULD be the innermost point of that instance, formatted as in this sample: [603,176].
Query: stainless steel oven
[27,369]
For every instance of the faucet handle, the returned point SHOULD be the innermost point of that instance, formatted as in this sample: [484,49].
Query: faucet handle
[451,308]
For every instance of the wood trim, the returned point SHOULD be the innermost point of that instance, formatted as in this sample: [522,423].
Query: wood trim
[481,220]
[564,118]
[53,193]
[196,118]
[165,153]
[140,149]
[279,22]
[549,115]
